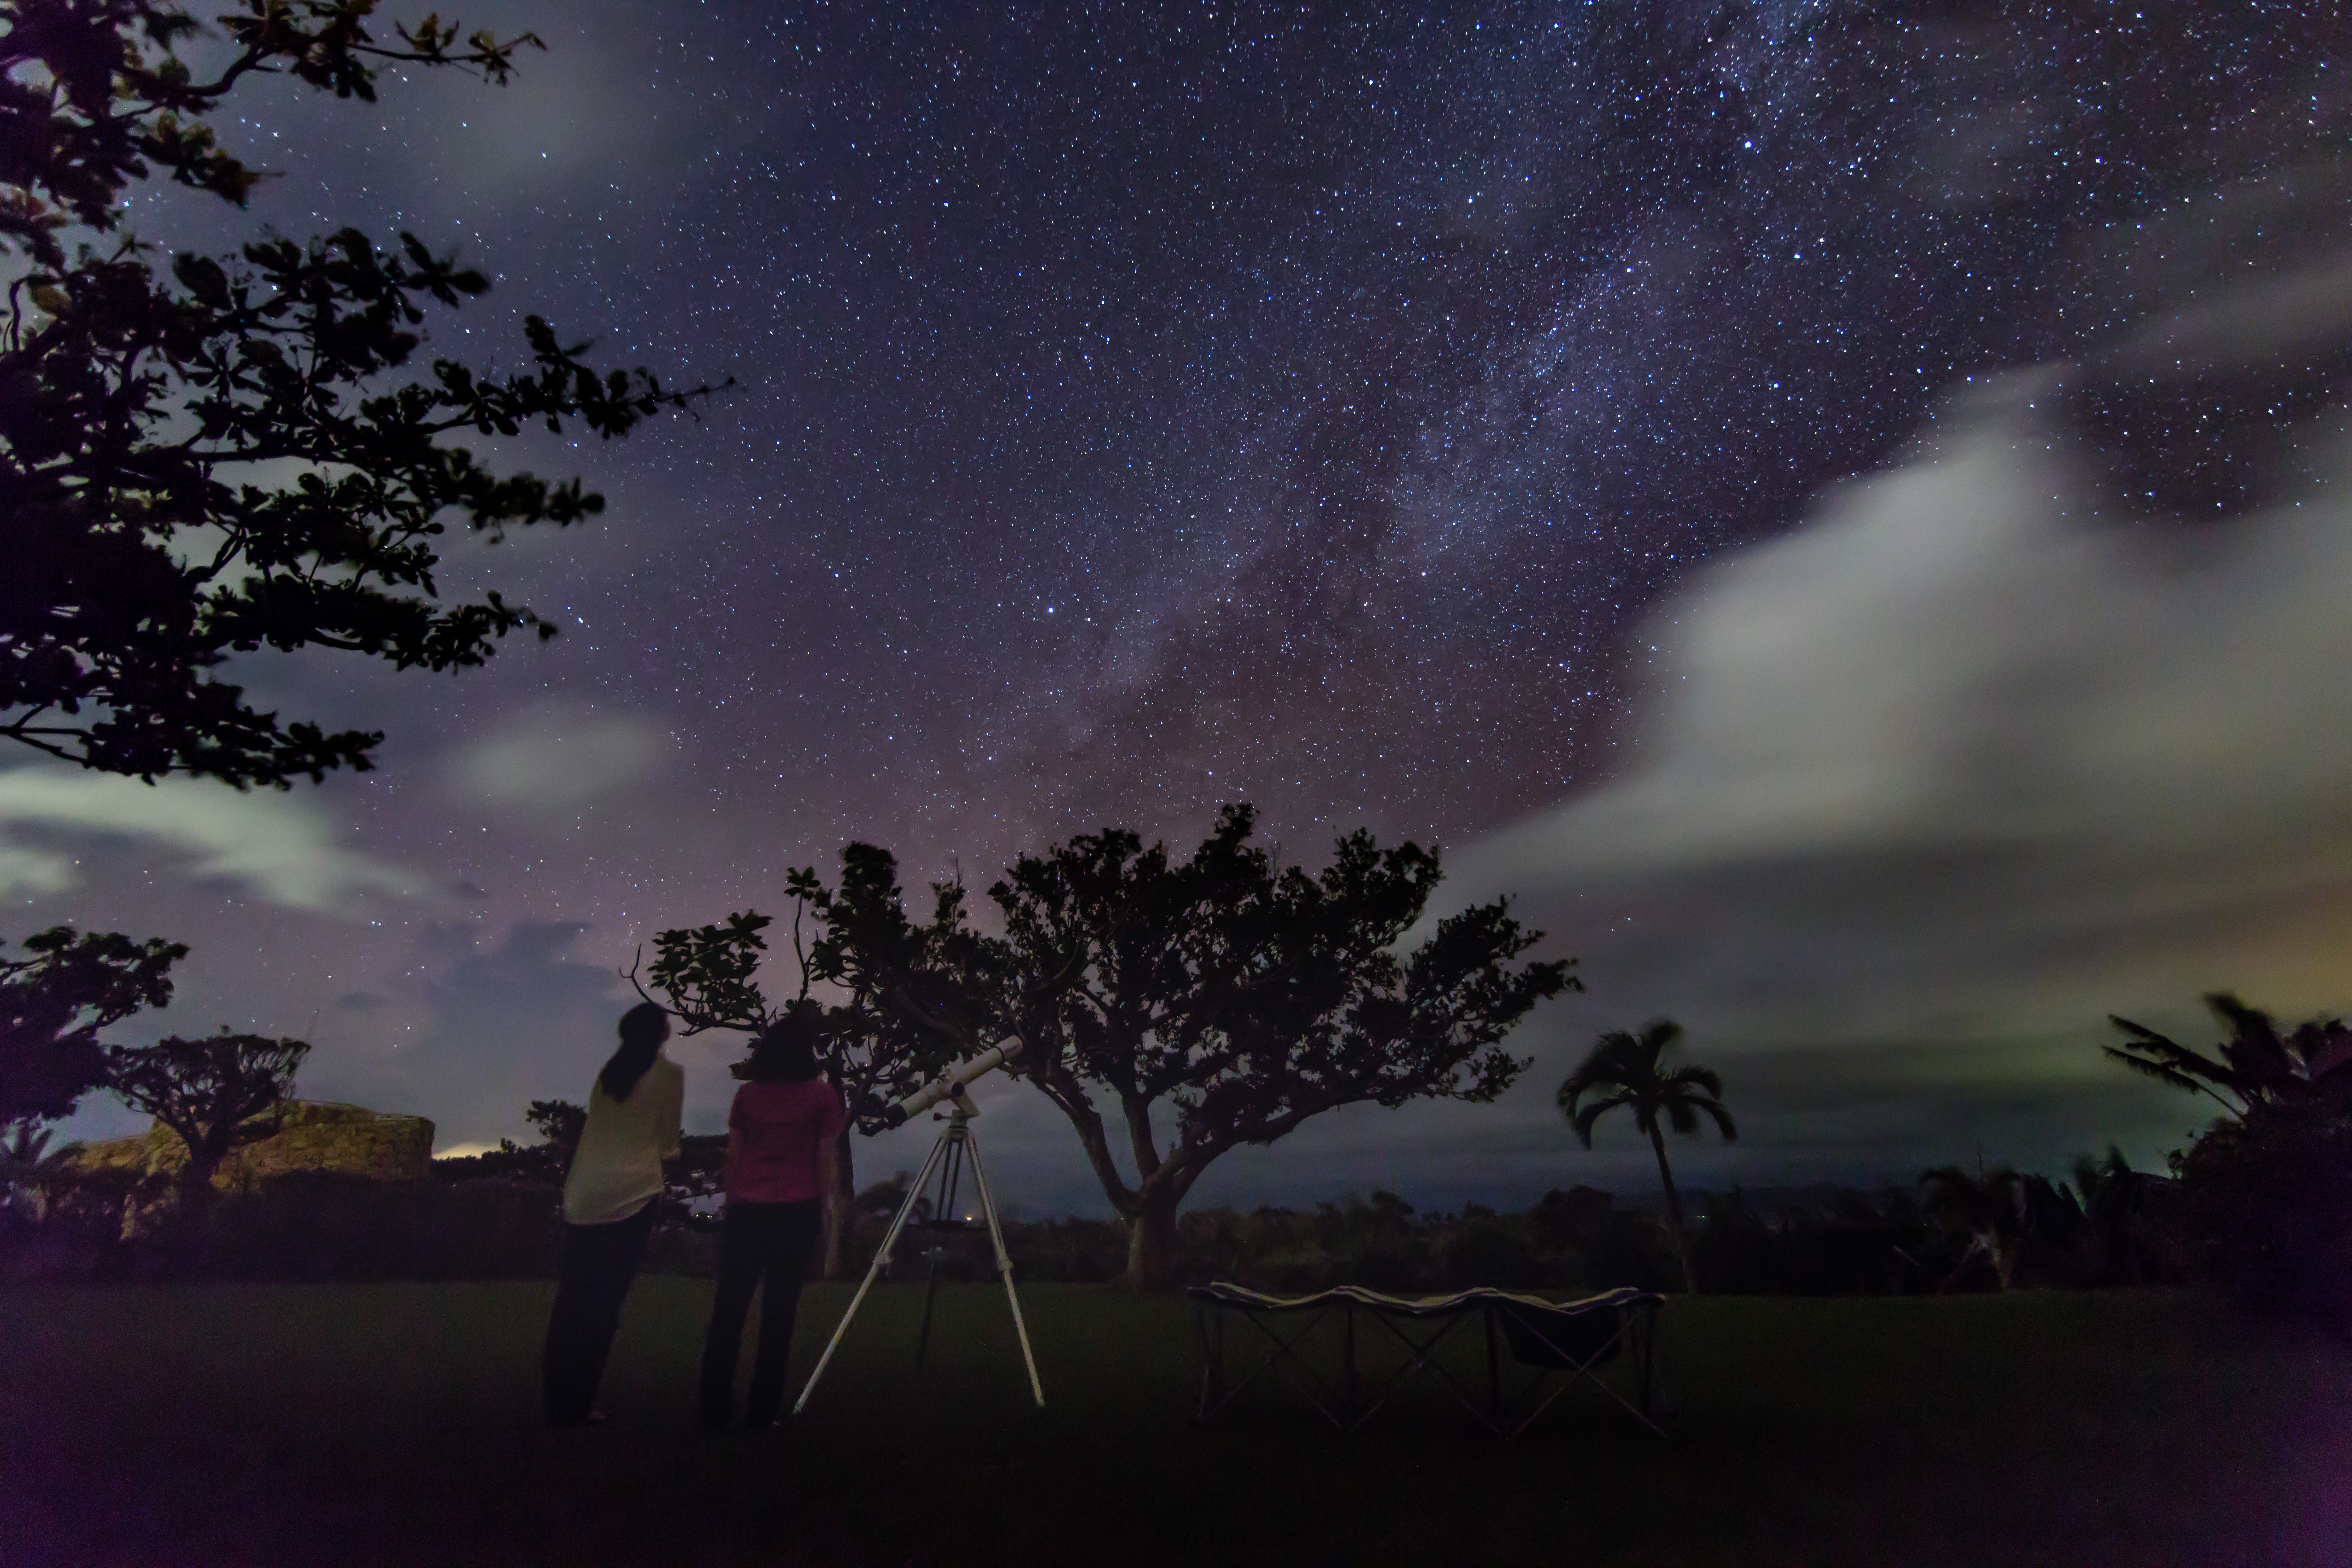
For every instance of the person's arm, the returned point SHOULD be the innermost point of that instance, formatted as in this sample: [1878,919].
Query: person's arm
[672,1114]
[828,1172]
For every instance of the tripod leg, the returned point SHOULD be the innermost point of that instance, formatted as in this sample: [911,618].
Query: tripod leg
[1004,1269]
[930,1294]
[943,1207]
[881,1261]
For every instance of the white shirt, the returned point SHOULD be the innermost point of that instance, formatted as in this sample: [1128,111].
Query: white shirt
[616,1171]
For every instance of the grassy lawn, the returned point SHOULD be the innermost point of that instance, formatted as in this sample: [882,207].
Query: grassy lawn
[397,1424]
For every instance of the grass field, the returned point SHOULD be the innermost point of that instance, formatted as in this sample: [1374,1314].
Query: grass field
[396,1423]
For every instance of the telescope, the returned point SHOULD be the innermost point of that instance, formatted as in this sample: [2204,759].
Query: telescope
[952,1084]
[956,1147]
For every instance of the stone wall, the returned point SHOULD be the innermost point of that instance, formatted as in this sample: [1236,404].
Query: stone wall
[346,1140]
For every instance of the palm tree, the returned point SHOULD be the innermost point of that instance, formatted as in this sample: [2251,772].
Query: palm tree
[2258,1065]
[30,1171]
[1630,1070]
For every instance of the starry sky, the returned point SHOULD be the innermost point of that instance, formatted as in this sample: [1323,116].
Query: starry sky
[1828,505]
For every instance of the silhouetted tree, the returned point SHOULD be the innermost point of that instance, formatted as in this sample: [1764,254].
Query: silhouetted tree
[135,402]
[2254,1066]
[1243,1000]
[217,1091]
[856,940]
[1630,1070]
[31,1170]
[2266,1190]
[55,999]
[558,1123]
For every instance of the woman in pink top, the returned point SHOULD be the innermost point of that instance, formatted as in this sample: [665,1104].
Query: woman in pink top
[780,1139]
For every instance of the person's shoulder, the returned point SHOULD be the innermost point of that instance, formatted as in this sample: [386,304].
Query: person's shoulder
[668,1071]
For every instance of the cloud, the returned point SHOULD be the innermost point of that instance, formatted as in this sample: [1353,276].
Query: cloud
[281,849]
[1977,754]
[556,760]
[504,1021]
[27,870]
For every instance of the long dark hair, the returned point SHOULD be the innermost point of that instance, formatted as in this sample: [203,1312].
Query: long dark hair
[644,1027]
[785,1051]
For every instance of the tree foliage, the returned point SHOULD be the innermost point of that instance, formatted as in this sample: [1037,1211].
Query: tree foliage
[142,409]
[217,1091]
[55,999]
[1629,1071]
[892,1024]
[2254,1066]
[2267,1188]
[897,1015]
[1243,999]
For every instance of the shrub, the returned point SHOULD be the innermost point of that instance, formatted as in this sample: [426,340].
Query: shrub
[2269,1208]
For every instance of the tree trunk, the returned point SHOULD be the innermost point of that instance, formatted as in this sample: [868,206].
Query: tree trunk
[1152,1241]
[841,1215]
[1675,1212]
[196,1177]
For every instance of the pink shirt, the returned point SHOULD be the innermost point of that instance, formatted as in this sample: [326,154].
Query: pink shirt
[775,1129]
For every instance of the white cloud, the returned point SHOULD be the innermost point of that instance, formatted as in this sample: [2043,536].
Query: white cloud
[28,870]
[557,760]
[1965,756]
[281,848]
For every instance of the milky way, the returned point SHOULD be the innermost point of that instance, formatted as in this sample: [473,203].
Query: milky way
[1138,409]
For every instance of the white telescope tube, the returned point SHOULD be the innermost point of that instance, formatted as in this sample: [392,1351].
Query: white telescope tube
[949,1084]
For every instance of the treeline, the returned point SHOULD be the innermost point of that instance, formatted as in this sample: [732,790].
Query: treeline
[2106,1225]
[496,1216]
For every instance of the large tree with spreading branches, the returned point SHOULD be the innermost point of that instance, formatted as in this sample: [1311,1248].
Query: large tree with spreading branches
[143,400]
[1216,1001]
[218,1092]
[884,1027]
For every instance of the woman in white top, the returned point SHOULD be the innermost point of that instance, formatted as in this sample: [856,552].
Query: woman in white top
[608,1208]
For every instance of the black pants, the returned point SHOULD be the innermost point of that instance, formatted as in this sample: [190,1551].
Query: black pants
[772,1240]
[599,1261]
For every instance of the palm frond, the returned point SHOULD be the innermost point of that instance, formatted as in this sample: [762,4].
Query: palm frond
[2167,1060]
[1658,1036]
[1696,1082]
[1586,1115]
[1723,1122]
[2254,1050]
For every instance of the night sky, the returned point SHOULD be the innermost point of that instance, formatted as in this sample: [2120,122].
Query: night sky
[1839,510]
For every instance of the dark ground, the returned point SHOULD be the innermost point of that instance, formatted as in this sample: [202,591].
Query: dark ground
[396,1423]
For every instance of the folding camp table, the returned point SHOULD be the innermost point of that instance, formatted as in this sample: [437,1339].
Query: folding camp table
[1563,1342]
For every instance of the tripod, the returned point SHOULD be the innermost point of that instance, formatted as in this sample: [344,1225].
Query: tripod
[956,1147]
